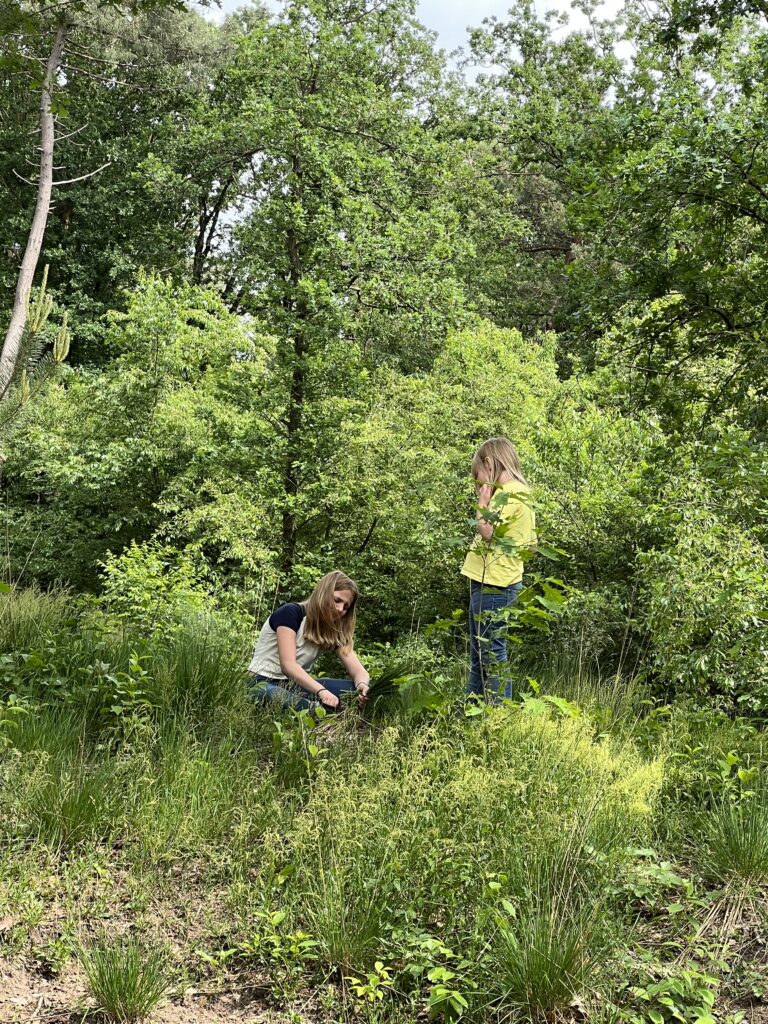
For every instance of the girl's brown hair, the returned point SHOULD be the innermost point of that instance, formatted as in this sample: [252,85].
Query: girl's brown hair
[322,625]
[502,455]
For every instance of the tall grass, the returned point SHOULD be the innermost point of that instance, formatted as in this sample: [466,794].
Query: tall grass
[28,618]
[430,819]
[549,949]
[391,830]
[544,959]
[203,798]
[616,696]
[198,669]
[73,806]
[54,729]
[352,846]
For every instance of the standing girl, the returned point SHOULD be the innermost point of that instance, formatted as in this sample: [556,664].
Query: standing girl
[292,638]
[506,530]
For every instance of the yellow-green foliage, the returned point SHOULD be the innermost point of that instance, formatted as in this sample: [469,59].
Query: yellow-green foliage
[408,814]
[537,777]
[514,770]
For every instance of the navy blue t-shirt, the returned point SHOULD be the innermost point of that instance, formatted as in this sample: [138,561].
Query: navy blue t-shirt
[290,615]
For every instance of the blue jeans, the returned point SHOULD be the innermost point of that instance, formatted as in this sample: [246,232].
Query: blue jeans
[287,694]
[488,639]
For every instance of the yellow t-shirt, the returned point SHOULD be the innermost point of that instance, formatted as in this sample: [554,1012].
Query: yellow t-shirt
[497,562]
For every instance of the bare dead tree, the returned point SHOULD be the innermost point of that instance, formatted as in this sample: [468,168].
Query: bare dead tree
[15,332]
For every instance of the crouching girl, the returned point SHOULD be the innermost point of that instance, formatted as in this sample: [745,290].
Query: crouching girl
[292,639]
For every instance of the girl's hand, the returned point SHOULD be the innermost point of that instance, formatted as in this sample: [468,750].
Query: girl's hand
[484,495]
[327,699]
[362,692]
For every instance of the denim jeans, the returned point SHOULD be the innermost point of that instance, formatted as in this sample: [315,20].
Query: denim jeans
[488,639]
[287,694]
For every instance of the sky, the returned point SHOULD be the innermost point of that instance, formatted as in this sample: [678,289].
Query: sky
[450,18]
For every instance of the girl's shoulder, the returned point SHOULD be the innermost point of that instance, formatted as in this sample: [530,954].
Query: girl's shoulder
[290,615]
[517,489]
[514,500]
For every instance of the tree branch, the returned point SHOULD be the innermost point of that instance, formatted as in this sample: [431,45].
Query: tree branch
[90,174]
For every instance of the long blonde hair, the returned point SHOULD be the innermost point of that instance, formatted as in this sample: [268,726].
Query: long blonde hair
[322,626]
[502,455]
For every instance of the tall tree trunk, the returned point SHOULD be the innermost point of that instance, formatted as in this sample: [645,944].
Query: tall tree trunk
[15,333]
[293,416]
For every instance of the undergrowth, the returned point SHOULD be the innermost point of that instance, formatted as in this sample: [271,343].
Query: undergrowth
[517,863]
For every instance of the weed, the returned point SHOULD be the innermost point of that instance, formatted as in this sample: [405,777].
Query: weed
[120,700]
[686,996]
[274,943]
[373,985]
[296,746]
[11,709]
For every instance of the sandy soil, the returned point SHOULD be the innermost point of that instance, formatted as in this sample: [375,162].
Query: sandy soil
[28,998]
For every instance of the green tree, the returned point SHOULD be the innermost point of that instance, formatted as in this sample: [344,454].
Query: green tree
[538,115]
[672,282]
[347,251]
[139,95]
[703,597]
[87,474]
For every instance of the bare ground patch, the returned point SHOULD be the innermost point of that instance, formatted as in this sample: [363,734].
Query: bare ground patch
[28,998]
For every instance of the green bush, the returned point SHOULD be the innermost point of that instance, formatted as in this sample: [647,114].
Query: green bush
[152,588]
[703,600]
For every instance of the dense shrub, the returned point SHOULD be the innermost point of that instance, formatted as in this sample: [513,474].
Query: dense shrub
[704,595]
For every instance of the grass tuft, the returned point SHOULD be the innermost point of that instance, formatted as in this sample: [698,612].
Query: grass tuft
[126,977]
[548,952]
[732,841]
[545,959]
[197,670]
[29,617]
